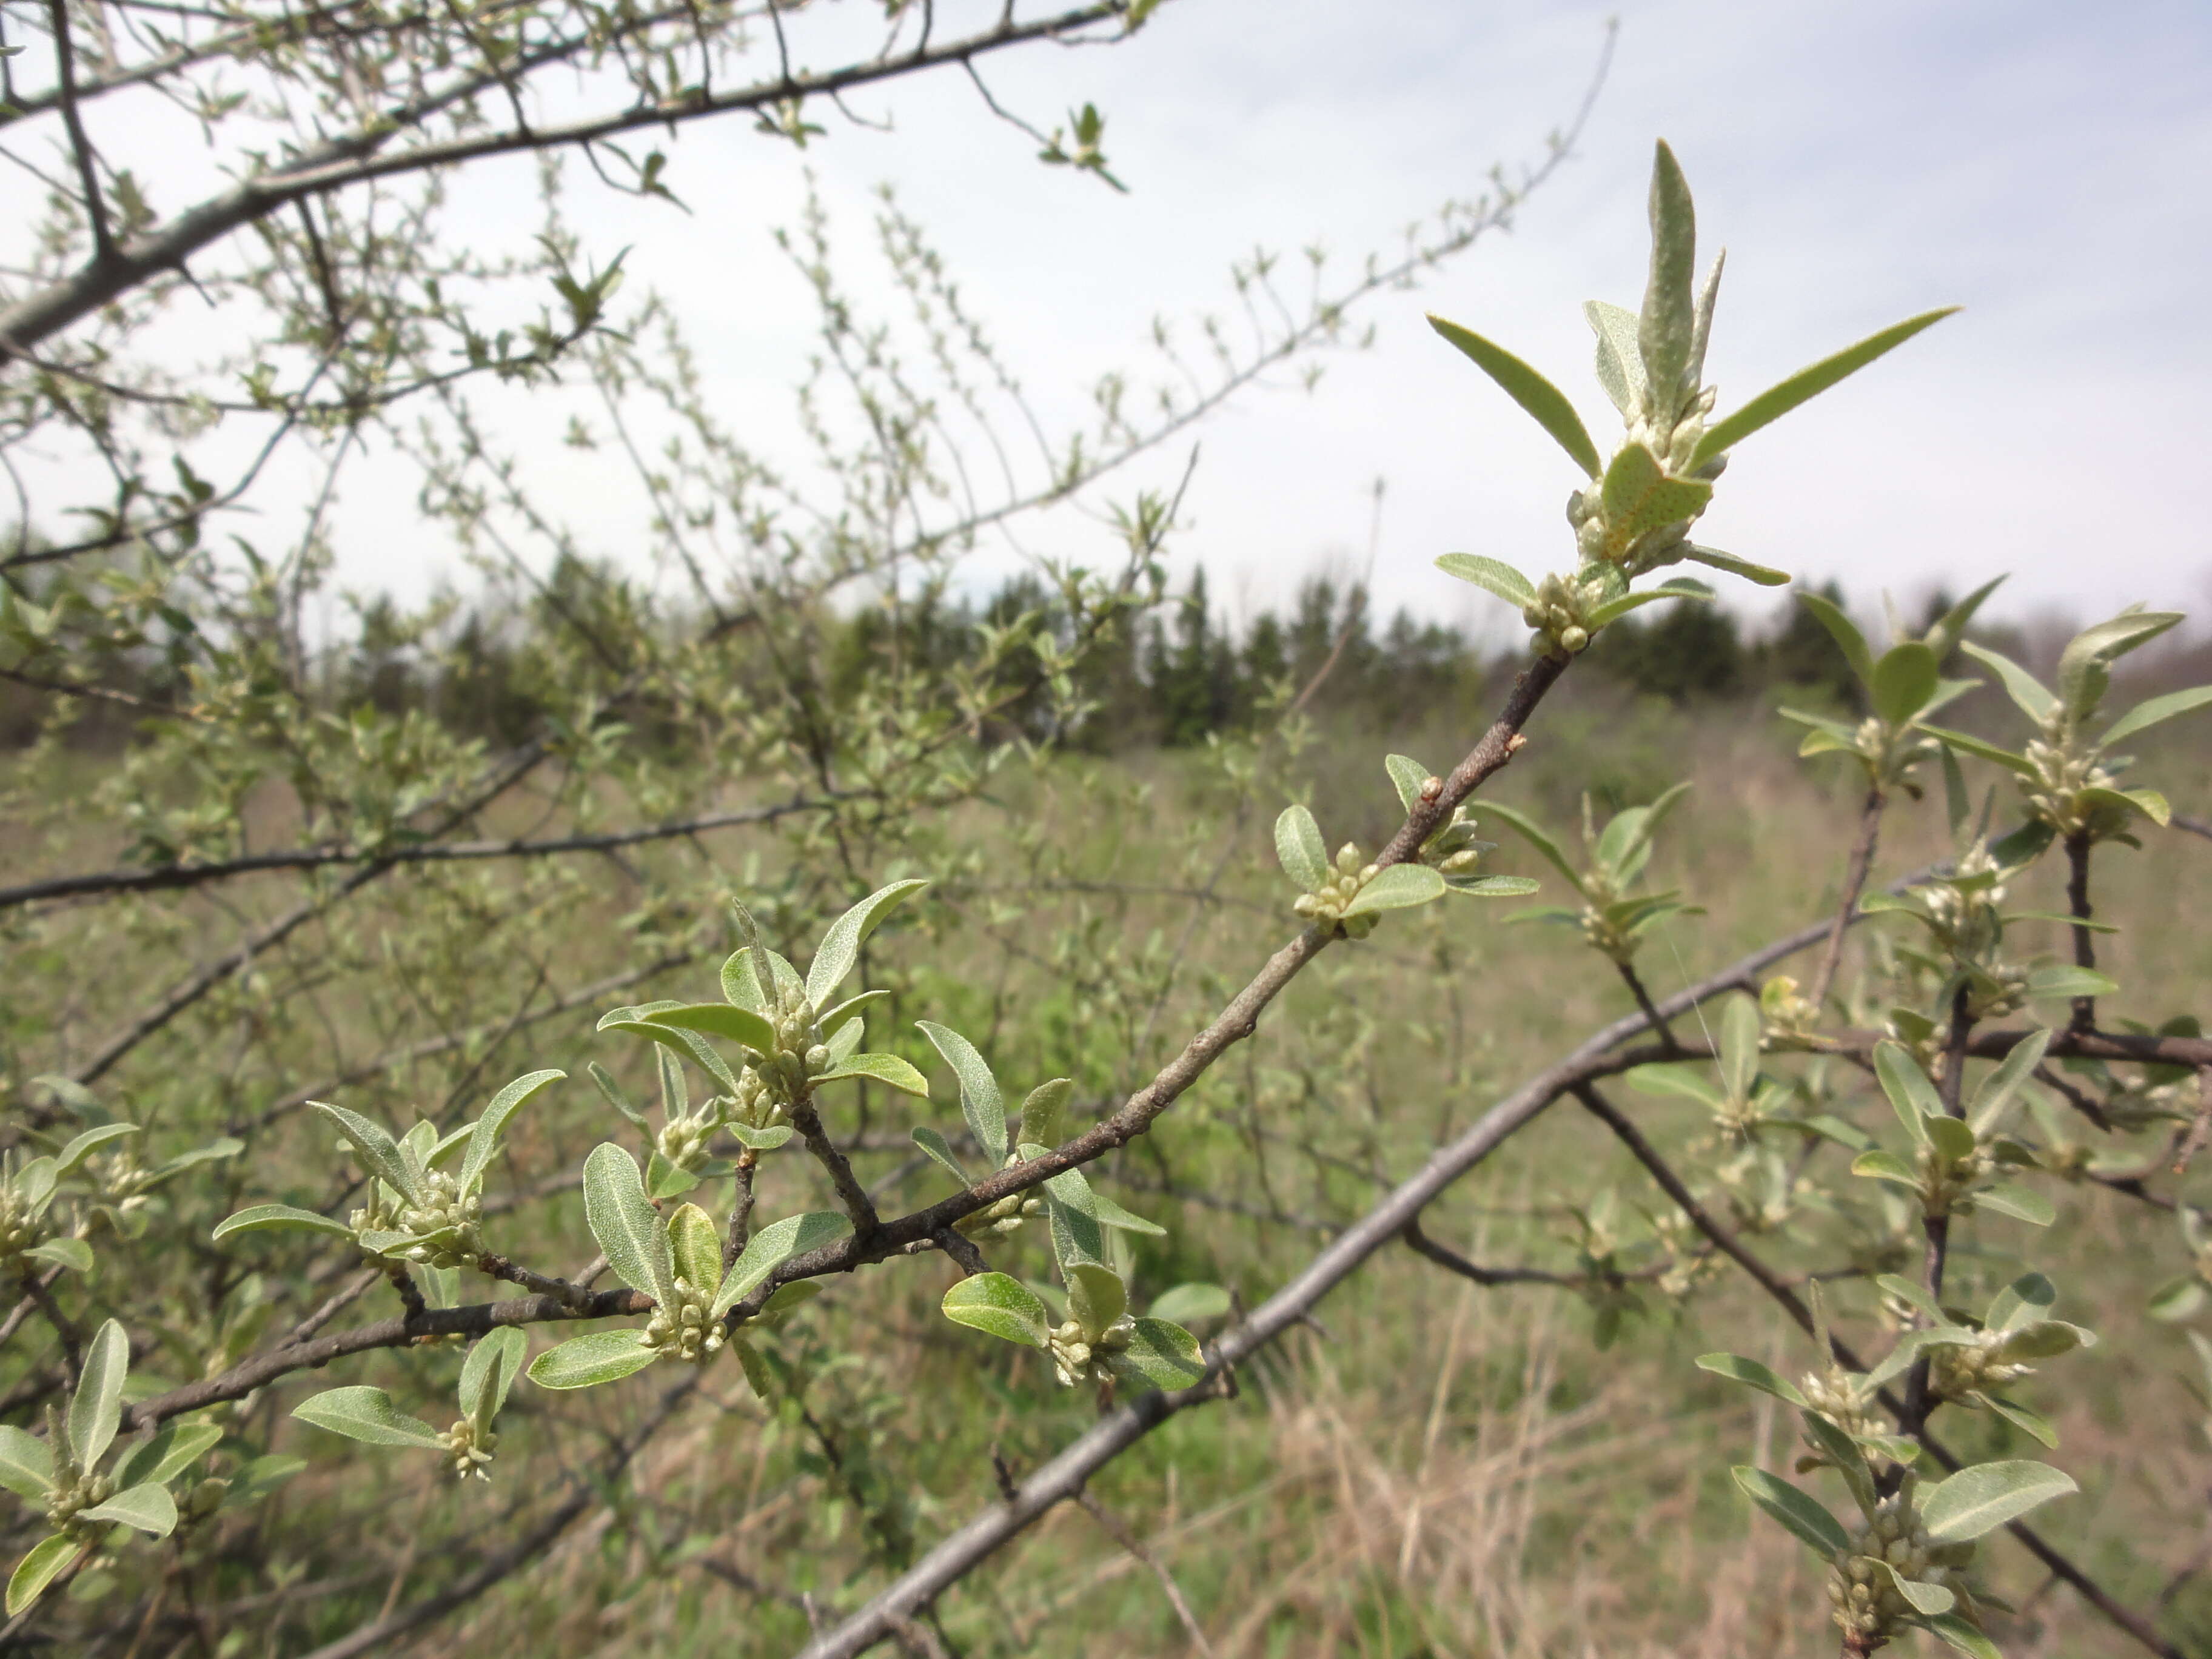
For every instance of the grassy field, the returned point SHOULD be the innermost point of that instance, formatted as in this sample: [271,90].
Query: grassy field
[1428,1468]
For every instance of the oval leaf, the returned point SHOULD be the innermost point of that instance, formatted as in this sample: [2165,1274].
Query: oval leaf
[38,1570]
[1398,888]
[998,1305]
[886,1069]
[1299,848]
[583,1362]
[1164,1355]
[625,1223]
[504,1105]
[841,945]
[981,1102]
[1982,1498]
[1801,1514]
[367,1414]
[96,1408]
[773,1245]
[1492,576]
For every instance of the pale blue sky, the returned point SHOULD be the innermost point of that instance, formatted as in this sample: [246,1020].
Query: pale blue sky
[2046,165]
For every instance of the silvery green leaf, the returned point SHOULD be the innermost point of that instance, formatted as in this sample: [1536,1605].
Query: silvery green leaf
[665,1180]
[1844,631]
[1041,1110]
[1806,1517]
[2030,1296]
[1625,847]
[1620,363]
[1163,1354]
[1880,1165]
[1764,575]
[1924,1598]
[981,1102]
[376,1152]
[82,1146]
[221,1147]
[940,1151]
[1640,496]
[1772,405]
[1406,777]
[1095,1297]
[845,1041]
[1299,848]
[1191,1303]
[1400,887]
[2029,1421]
[2177,1298]
[2044,1339]
[1538,396]
[2155,710]
[1667,328]
[615,1098]
[886,1069]
[2066,981]
[1493,577]
[73,1254]
[419,1142]
[504,1105]
[368,1414]
[998,1305]
[27,1464]
[1956,1632]
[851,1005]
[1751,1374]
[1073,1188]
[2085,667]
[1911,1345]
[1903,680]
[1493,886]
[1913,1294]
[1076,1234]
[1981,1498]
[1681,587]
[167,1454]
[1709,293]
[2020,1203]
[1676,1078]
[841,945]
[489,1371]
[1908,1088]
[626,1225]
[721,1019]
[772,1246]
[39,1569]
[741,986]
[2001,1085]
[1966,743]
[1740,1032]
[96,1408]
[1944,634]
[584,1362]
[761,1141]
[639,1021]
[2149,802]
[1951,1137]
[2022,686]
[695,1248]
[1535,836]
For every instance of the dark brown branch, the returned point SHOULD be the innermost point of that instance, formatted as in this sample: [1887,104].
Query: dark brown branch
[81,150]
[169,876]
[1635,983]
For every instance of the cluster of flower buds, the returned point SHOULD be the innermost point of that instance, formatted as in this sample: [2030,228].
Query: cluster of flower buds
[1326,903]
[1560,612]
[998,1220]
[73,1489]
[801,1053]
[1078,1358]
[22,1214]
[1868,1607]
[1955,1370]
[1841,1398]
[1783,1012]
[756,1105]
[685,1330]
[2064,768]
[449,1211]
[471,1452]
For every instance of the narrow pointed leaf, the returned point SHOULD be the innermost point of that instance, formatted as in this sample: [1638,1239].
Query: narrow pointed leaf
[772,1246]
[1400,887]
[168,1454]
[1666,328]
[1804,1515]
[1981,1498]
[940,1151]
[625,1224]
[1491,576]
[1845,632]
[1764,575]
[841,945]
[886,1069]
[375,1151]
[27,1464]
[1751,1374]
[1187,1304]
[584,1362]
[82,1146]
[38,1570]
[2020,1203]
[73,1254]
[2024,689]
[1620,362]
[489,1371]
[1806,383]
[981,1102]
[96,1408]
[721,1019]
[1908,1088]
[2152,712]
[504,1105]
[1535,394]
[1958,1633]
[367,1414]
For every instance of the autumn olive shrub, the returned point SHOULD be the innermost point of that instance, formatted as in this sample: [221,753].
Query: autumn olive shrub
[770,1062]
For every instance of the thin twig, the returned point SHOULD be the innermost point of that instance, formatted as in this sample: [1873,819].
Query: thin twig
[1855,880]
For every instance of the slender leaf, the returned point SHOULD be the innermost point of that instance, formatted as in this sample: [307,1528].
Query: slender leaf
[1806,384]
[1503,579]
[1751,1374]
[27,1464]
[1806,1517]
[627,1227]
[1400,887]
[1908,1088]
[1665,330]
[1957,1632]
[1982,1498]
[1533,834]
[772,1246]
[1998,1088]
[1039,1122]
[73,1254]
[940,1151]
[493,1124]
[886,1069]
[2150,713]
[721,1019]
[82,1146]
[1619,362]
[367,1414]
[584,1362]
[1764,575]
[96,1408]
[841,945]
[981,1102]
[2020,1203]
[167,1454]
[1543,400]
[2022,687]
[376,1152]
[38,1570]
[1844,631]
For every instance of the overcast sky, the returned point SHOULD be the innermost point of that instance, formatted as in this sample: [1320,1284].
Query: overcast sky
[2048,167]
